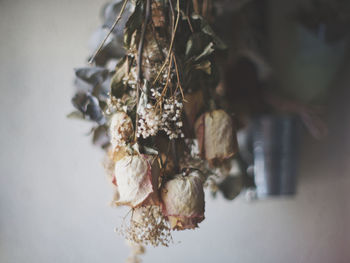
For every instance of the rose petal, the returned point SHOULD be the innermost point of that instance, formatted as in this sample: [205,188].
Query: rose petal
[137,180]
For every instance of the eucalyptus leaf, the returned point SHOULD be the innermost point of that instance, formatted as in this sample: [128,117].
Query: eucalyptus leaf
[83,86]
[89,106]
[92,75]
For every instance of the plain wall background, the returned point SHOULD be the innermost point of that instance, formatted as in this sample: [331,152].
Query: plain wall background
[53,193]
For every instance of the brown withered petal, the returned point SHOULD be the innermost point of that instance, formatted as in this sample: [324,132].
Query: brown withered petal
[216,136]
[183,201]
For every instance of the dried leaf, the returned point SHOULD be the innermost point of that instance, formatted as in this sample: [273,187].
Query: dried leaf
[134,22]
[92,75]
[100,136]
[204,66]
[89,106]
[75,115]
[117,85]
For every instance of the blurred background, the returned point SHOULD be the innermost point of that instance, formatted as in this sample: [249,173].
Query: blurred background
[54,197]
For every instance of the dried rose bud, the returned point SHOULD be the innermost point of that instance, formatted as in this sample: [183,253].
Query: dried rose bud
[194,102]
[183,201]
[216,136]
[137,180]
[121,129]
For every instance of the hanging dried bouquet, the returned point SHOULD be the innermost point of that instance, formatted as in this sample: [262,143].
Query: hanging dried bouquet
[156,113]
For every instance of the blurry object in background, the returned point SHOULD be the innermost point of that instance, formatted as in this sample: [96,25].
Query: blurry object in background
[331,18]
[275,140]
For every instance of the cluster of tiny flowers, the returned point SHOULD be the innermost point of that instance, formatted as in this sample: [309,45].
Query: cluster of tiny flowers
[166,76]
[153,228]
[171,118]
[149,122]
[130,79]
[113,104]
[155,93]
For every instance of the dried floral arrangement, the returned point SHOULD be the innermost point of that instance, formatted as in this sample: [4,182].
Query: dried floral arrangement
[166,98]
[156,113]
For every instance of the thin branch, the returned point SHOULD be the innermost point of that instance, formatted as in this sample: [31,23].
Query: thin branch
[178,78]
[98,50]
[187,17]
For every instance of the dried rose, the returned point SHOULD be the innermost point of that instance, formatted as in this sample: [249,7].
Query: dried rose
[121,129]
[137,180]
[216,136]
[192,106]
[183,201]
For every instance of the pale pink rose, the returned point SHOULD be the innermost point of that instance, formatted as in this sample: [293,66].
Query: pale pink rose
[136,179]
[216,136]
[183,201]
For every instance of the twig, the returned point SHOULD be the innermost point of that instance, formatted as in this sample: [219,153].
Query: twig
[187,17]
[178,78]
[168,78]
[139,59]
[98,50]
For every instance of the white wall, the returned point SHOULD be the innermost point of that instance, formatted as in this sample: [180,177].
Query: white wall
[53,193]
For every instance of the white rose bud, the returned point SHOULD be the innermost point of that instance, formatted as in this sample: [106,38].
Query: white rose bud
[137,178]
[183,201]
[121,129]
[216,136]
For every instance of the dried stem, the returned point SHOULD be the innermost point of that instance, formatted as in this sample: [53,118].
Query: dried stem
[171,43]
[139,59]
[178,78]
[98,50]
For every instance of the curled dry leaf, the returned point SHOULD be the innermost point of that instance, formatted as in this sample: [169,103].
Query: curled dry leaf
[137,180]
[183,201]
[216,136]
